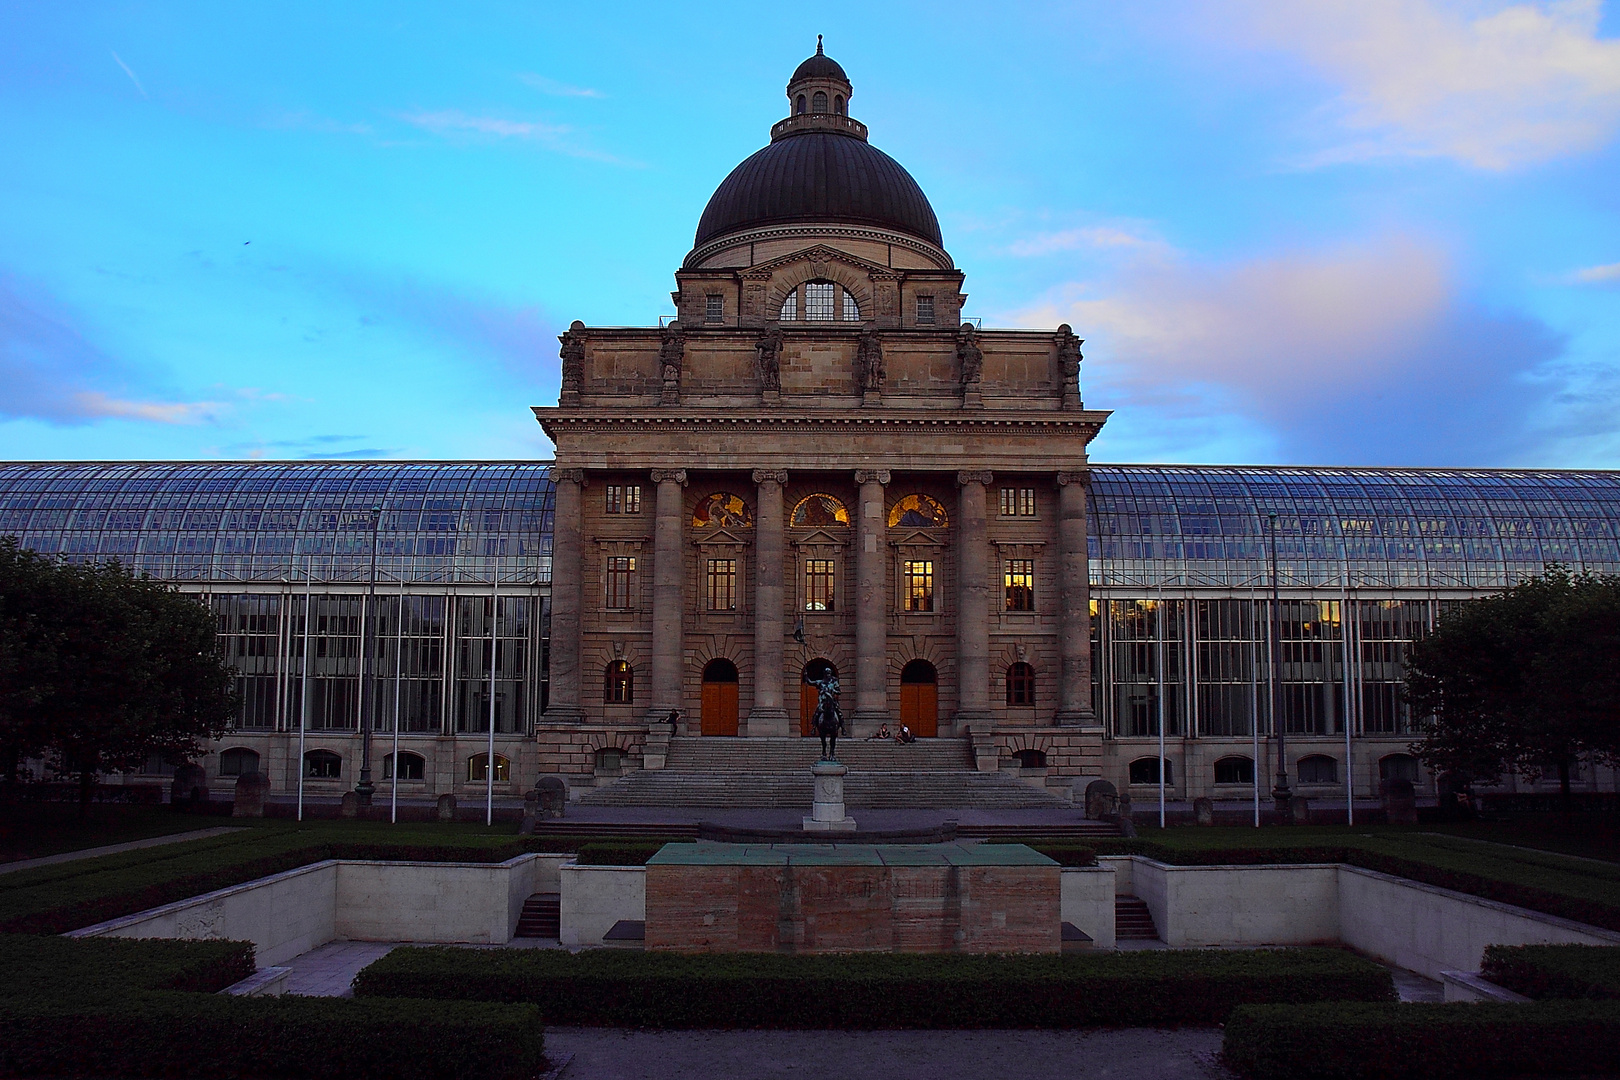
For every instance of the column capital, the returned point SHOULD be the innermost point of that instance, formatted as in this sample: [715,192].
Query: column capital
[678,476]
[770,476]
[568,476]
[872,476]
[1064,479]
[979,476]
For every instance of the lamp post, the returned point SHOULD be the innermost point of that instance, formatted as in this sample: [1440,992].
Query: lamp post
[1280,794]
[365,788]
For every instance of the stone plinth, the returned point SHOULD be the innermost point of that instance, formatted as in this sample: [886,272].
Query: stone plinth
[827,814]
[817,898]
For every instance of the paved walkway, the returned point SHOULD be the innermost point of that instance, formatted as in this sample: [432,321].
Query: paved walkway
[328,970]
[620,1054]
[115,849]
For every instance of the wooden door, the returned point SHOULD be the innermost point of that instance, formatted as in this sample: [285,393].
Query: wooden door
[807,709]
[919,708]
[719,715]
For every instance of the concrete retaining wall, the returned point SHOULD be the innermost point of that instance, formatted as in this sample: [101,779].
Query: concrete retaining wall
[596,897]
[1241,905]
[1086,899]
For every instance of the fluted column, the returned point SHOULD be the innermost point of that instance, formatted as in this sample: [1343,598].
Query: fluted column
[565,703]
[666,607]
[768,717]
[973,602]
[1074,588]
[871,611]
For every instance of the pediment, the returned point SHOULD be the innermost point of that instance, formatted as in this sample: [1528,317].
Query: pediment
[820,253]
[723,535]
[918,538]
[821,538]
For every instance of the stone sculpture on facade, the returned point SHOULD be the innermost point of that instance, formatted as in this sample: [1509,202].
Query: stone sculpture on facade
[970,359]
[573,362]
[670,353]
[1068,347]
[869,369]
[768,360]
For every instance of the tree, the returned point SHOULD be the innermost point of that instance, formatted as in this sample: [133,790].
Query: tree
[1523,680]
[100,668]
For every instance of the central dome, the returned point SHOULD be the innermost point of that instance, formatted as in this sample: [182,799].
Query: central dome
[819,168]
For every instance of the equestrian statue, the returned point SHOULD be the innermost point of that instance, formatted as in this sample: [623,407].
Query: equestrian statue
[827,719]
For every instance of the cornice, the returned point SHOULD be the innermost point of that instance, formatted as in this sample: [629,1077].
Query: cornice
[732,419]
[817,231]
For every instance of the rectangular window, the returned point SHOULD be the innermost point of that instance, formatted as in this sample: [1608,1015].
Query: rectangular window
[722,584]
[919,584]
[818,301]
[714,308]
[624,498]
[818,585]
[1017,502]
[621,580]
[1020,584]
[925,310]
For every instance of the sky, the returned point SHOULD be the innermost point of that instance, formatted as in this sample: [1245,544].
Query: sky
[1340,232]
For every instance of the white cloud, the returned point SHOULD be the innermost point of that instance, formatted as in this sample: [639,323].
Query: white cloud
[555,88]
[456,122]
[132,77]
[1596,275]
[1071,239]
[1491,85]
[96,404]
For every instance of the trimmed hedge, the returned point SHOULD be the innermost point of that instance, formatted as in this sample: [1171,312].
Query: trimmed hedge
[877,990]
[37,968]
[1555,971]
[628,851]
[1354,1041]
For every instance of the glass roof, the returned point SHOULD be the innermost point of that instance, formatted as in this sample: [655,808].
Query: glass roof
[1151,525]
[284,521]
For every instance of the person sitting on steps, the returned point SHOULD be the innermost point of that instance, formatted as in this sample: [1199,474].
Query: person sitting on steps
[904,735]
[881,733]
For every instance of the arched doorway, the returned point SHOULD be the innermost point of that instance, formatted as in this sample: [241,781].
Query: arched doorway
[919,698]
[719,715]
[808,695]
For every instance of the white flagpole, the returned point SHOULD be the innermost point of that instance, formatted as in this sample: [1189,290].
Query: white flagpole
[1158,623]
[399,643]
[489,771]
[1344,651]
[303,690]
[1254,701]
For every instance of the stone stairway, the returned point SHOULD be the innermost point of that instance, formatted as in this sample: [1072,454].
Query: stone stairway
[1132,920]
[541,916]
[775,773]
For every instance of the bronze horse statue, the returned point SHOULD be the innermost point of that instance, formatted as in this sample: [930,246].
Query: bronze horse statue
[827,719]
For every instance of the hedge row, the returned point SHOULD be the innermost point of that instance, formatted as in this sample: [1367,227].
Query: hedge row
[40,968]
[1591,912]
[1352,1041]
[876,990]
[625,851]
[1555,971]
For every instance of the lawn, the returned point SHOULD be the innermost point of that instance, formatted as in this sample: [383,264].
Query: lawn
[34,830]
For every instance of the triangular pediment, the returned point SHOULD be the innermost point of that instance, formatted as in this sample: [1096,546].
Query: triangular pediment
[820,253]
[917,538]
[822,537]
[724,535]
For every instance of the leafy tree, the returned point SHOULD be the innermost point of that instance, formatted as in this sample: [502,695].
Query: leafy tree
[100,668]
[1523,680]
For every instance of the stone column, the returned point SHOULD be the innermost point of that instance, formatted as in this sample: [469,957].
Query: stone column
[565,703]
[768,716]
[666,606]
[972,603]
[871,608]
[1074,596]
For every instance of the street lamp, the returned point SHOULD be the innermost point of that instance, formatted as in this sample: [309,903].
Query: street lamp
[365,788]
[1280,794]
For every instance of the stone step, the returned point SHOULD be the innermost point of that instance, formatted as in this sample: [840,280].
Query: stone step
[541,916]
[870,790]
[1133,920]
[796,755]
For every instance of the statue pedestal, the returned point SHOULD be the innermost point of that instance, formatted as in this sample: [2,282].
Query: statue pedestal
[827,815]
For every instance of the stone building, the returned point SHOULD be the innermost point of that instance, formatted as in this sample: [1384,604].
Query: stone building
[817,463]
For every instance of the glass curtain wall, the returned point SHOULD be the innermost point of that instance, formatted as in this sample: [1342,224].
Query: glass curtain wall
[412,637]
[1138,650]
[250,640]
[512,657]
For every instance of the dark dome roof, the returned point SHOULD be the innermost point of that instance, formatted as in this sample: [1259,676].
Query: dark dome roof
[819,66]
[819,176]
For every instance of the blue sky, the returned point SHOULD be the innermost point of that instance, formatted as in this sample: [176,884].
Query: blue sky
[1379,232]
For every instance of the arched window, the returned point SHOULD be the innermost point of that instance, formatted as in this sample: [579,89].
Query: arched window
[724,509]
[411,766]
[819,104]
[1234,770]
[1318,769]
[918,512]
[1146,771]
[819,511]
[720,671]
[1398,767]
[838,104]
[322,765]
[238,761]
[1021,685]
[1031,759]
[618,683]
[790,307]
[824,301]
[478,768]
[798,106]
[819,298]
[852,310]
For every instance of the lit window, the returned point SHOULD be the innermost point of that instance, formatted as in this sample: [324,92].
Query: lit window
[852,310]
[1021,686]
[621,580]
[818,585]
[919,584]
[618,683]
[925,310]
[714,308]
[1017,502]
[790,307]
[411,766]
[818,301]
[478,768]
[722,584]
[1020,584]
[624,498]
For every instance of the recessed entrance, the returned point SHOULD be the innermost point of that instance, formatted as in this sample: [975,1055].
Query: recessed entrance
[919,698]
[808,695]
[719,705]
